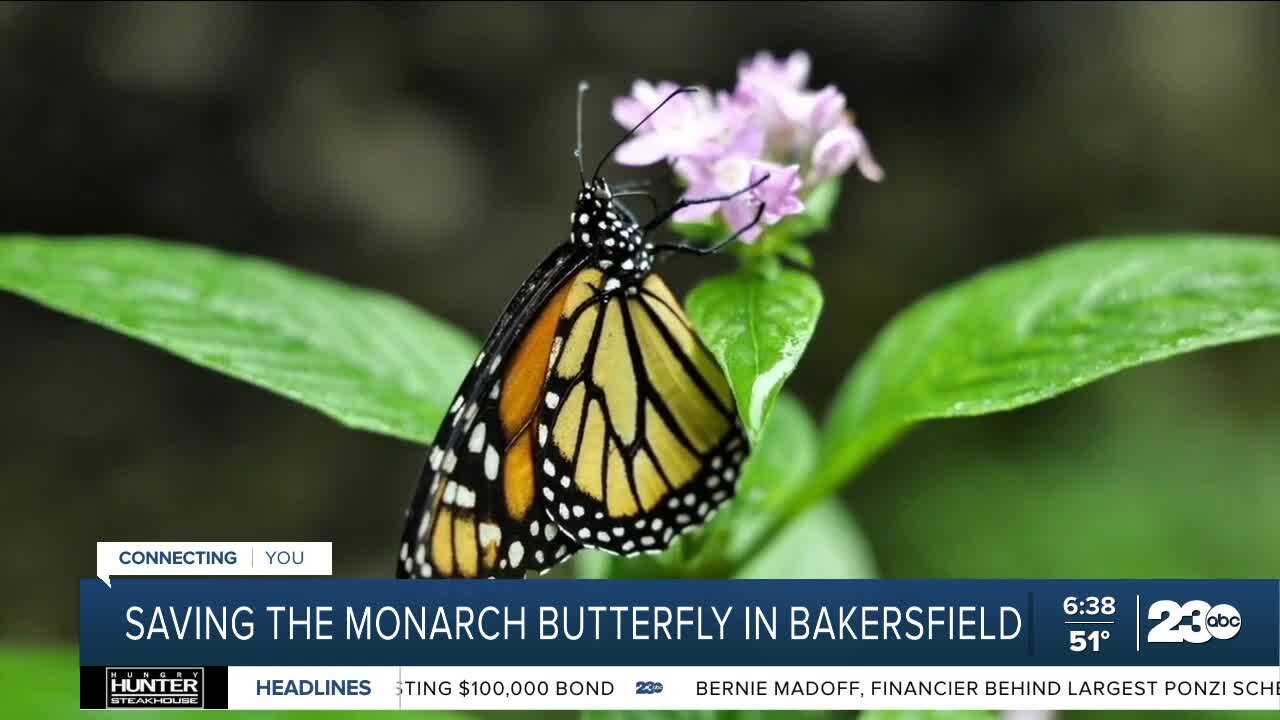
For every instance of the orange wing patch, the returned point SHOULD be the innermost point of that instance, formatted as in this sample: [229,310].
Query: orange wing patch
[527,371]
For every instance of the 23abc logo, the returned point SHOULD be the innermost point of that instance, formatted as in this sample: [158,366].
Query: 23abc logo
[1192,622]
[648,687]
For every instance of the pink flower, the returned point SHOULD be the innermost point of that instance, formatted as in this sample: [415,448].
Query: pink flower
[693,124]
[779,194]
[771,123]
[840,147]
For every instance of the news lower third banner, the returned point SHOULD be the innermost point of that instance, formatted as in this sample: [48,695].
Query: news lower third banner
[301,643]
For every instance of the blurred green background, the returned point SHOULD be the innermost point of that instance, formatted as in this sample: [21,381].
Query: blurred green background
[424,149]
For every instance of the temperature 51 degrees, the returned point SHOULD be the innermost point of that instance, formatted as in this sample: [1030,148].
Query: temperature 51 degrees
[1088,640]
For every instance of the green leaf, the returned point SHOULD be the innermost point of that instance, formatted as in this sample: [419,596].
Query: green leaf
[824,543]
[365,359]
[43,683]
[819,205]
[757,327]
[783,459]
[704,232]
[798,254]
[1032,330]
[928,715]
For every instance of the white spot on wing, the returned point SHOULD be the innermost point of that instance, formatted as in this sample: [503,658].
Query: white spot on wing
[552,400]
[489,533]
[515,553]
[466,498]
[476,444]
[491,462]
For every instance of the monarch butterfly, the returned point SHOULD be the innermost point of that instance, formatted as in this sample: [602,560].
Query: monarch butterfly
[592,417]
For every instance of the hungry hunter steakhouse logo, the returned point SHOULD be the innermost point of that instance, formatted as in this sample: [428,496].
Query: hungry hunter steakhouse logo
[155,687]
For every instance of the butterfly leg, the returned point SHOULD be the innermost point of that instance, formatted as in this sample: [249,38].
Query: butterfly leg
[689,202]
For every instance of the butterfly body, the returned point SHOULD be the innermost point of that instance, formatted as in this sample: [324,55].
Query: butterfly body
[593,417]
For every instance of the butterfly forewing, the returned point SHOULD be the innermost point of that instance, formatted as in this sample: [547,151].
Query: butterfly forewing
[639,437]
[477,511]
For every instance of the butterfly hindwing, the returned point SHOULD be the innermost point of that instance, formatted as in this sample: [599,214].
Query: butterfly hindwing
[477,511]
[639,438]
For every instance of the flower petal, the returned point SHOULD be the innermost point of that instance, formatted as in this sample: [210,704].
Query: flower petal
[643,149]
[739,213]
[628,111]
[696,213]
[836,150]
[828,109]
[869,168]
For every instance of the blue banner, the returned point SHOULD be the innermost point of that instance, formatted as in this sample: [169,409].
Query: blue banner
[544,622]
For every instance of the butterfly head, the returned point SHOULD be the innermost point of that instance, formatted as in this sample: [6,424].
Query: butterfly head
[617,242]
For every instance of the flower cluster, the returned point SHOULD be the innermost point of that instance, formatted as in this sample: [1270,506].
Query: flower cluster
[770,124]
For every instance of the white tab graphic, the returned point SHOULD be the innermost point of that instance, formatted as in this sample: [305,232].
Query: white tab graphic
[213,558]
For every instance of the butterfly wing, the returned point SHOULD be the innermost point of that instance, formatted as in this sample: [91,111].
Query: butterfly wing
[476,511]
[639,438]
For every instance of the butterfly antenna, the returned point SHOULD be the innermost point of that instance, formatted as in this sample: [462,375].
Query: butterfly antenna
[637,126]
[577,150]
[689,202]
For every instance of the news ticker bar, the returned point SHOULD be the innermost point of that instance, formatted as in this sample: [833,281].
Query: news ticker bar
[683,688]
[650,623]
